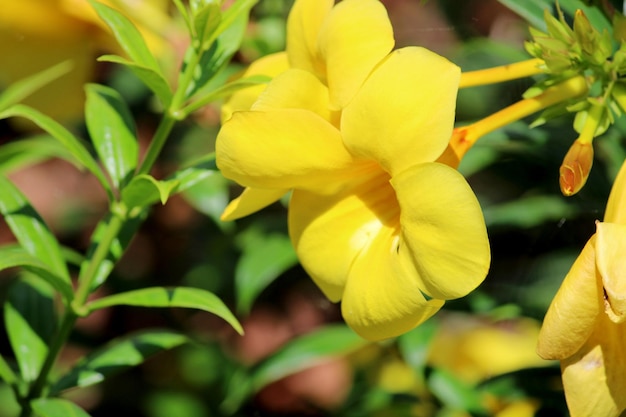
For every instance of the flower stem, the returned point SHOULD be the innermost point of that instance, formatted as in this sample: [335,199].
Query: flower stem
[502,73]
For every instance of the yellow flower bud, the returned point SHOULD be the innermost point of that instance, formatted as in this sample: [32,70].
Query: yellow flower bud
[576,167]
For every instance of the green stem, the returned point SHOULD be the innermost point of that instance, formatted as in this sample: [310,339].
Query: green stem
[158,141]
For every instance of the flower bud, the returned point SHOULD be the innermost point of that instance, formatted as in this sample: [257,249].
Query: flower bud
[575,168]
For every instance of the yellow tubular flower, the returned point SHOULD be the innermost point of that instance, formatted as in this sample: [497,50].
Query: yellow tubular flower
[584,326]
[375,221]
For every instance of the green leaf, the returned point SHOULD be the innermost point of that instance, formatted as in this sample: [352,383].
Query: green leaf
[529,211]
[56,407]
[305,352]
[415,345]
[14,256]
[30,229]
[127,36]
[30,322]
[145,190]
[184,297]
[532,11]
[75,146]
[112,130]
[455,393]
[151,78]
[206,20]
[117,356]
[264,259]
[6,373]
[21,89]
[29,151]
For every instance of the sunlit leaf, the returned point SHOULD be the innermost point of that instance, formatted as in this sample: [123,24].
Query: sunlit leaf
[30,229]
[112,130]
[75,146]
[206,20]
[21,89]
[117,356]
[151,78]
[184,297]
[56,407]
[30,322]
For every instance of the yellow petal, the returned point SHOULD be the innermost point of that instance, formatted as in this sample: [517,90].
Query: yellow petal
[303,27]
[269,65]
[251,200]
[284,149]
[356,36]
[404,113]
[329,232]
[594,378]
[611,264]
[616,206]
[295,89]
[574,310]
[382,297]
[443,231]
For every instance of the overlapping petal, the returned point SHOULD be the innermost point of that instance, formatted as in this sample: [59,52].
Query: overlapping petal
[611,264]
[291,148]
[354,38]
[616,206]
[442,230]
[303,27]
[573,313]
[250,201]
[404,113]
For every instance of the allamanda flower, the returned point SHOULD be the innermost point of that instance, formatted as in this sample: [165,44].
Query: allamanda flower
[375,222]
[584,327]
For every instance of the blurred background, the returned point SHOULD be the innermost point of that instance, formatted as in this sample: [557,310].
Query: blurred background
[475,358]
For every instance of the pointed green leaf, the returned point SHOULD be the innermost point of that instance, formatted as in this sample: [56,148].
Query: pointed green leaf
[305,352]
[206,19]
[75,146]
[30,229]
[145,190]
[127,36]
[112,130]
[455,393]
[184,297]
[117,356]
[151,78]
[29,151]
[6,373]
[21,89]
[14,256]
[30,322]
[415,345]
[56,407]
[263,260]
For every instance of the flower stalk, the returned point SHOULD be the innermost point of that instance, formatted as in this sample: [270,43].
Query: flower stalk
[502,73]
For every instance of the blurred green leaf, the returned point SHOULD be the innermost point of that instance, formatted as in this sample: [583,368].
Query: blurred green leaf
[21,89]
[75,146]
[30,322]
[151,78]
[210,196]
[112,130]
[184,297]
[29,151]
[532,11]
[6,374]
[209,93]
[454,393]
[169,404]
[206,19]
[145,190]
[127,36]
[307,351]
[118,355]
[12,256]
[528,211]
[415,345]
[56,407]
[265,257]
[30,229]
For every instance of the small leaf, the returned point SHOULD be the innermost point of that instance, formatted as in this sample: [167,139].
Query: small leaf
[13,256]
[145,190]
[30,229]
[305,352]
[184,297]
[151,78]
[127,36]
[56,407]
[205,21]
[261,263]
[112,130]
[21,89]
[75,146]
[117,356]
[30,322]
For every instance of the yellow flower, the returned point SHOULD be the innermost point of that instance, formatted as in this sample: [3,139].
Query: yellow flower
[584,326]
[375,221]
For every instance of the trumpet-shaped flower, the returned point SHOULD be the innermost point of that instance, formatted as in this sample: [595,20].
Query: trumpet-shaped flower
[354,133]
[584,326]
